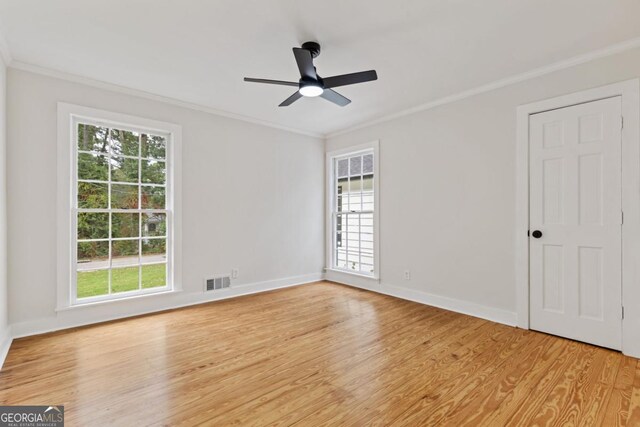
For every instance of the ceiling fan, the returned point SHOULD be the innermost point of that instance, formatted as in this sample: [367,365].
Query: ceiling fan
[311,84]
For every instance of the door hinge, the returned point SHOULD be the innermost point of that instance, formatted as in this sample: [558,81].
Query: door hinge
[621,217]
[621,122]
[623,312]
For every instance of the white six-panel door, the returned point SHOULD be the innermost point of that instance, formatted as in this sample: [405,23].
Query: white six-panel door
[575,203]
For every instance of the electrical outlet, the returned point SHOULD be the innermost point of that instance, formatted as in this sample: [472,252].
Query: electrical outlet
[234,273]
[407,275]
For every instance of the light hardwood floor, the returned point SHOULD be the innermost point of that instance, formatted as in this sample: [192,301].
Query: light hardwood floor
[320,354]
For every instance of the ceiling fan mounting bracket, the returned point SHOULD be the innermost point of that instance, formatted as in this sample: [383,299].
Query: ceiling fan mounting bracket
[312,47]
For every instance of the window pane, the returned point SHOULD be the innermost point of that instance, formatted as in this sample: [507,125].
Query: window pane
[153,198]
[93,260]
[154,276]
[154,250]
[339,222]
[355,186]
[355,165]
[153,146]
[366,267]
[153,172]
[93,255]
[154,224]
[125,252]
[124,142]
[124,279]
[343,168]
[92,283]
[367,183]
[93,225]
[367,166]
[341,258]
[124,196]
[124,169]
[353,261]
[92,195]
[92,138]
[125,225]
[343,195]
[355,193]
[92,166]
[366,220]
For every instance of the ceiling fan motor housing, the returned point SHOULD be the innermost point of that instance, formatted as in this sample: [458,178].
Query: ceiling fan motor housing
[312,47]
[311,82]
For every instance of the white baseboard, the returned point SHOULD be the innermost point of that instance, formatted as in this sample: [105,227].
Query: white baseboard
[82,316]
[5,343]
[459,306]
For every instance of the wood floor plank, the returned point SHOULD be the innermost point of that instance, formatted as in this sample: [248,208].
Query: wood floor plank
[479,408]
[278,395]
[592,397]
[528,397]
[617,409]
[560,396]
[227,391]
[402,383]
[319,354]
[352,382]
[634,400]
[369,391]
[442,400]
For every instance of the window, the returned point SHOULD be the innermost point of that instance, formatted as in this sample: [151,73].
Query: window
[353,240]
[122,210]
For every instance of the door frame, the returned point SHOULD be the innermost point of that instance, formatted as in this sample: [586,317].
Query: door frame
[629,91]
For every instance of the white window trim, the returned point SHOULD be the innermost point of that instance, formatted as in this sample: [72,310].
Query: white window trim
[68,115]
[330,193]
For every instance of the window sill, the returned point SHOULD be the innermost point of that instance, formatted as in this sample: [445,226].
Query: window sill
[115,300]
[374,278]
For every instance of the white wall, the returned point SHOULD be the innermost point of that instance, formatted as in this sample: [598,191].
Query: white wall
[447,197]
[447,190]
[5,336]
[252,200]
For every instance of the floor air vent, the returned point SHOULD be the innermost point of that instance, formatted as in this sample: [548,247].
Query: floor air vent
[215,283]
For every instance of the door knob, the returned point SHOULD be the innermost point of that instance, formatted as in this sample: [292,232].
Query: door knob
[537,234]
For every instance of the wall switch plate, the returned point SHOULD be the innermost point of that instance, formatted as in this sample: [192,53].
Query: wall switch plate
[407,275]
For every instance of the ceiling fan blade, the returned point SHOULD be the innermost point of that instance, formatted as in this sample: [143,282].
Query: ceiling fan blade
[273,82]
[290,100]
[350,79]
[305,63]
[335,97]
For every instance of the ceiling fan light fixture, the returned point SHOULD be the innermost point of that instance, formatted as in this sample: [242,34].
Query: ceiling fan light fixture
[311,90]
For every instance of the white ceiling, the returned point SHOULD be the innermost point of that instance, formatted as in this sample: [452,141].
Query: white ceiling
[198,50]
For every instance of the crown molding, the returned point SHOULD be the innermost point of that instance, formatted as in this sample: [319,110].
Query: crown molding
[49,72]
[537,72]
